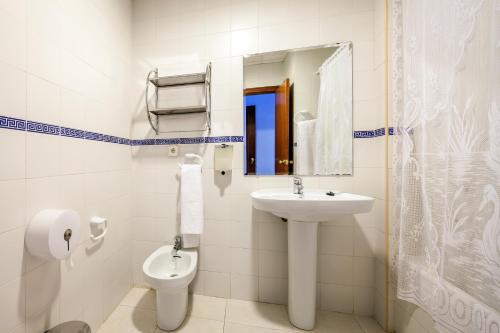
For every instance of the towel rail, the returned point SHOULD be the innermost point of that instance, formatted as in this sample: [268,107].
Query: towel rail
[301,116]
[192,156]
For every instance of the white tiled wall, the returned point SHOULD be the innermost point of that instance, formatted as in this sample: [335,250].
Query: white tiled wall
[65,63]
[379,65]
[244,251]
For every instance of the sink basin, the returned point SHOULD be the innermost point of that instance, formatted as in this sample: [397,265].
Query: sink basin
[303,214]
[314,206]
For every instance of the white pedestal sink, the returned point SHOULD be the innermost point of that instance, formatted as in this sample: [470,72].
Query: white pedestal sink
[303,214]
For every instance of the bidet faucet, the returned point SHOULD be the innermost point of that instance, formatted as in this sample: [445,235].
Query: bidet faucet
[298,188]
[177,243]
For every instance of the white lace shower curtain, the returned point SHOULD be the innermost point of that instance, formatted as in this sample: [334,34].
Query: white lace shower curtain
[333,154]
[446,98]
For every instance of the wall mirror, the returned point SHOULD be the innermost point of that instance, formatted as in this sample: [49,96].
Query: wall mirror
[298,111]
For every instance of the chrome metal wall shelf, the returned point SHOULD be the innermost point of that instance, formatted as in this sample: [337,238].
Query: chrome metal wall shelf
[179,80]
[166,82]
[179,110]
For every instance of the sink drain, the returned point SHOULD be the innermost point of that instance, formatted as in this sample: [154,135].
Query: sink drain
[173,275]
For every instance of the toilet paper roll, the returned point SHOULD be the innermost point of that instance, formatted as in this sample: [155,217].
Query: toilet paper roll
[53,234]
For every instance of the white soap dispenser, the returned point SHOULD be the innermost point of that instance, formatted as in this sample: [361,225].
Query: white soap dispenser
[223,158]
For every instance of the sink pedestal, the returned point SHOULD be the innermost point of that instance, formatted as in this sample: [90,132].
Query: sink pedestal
[302,265]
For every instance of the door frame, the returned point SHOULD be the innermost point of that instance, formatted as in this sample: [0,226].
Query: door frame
[279,169]
[250,144]
[281,130]
[260,90]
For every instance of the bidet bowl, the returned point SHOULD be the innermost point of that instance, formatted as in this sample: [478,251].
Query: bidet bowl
[164,271]
[170,272]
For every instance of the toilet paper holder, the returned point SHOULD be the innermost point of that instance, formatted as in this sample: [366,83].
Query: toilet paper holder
[97,222]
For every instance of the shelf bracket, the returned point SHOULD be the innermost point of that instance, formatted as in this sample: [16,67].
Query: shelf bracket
[208,96]
[153,122]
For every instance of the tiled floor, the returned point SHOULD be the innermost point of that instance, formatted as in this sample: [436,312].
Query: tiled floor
[136,314]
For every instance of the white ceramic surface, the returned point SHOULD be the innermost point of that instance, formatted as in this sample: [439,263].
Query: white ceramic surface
[302,266]
[304,212]
[314,206]
[170,275]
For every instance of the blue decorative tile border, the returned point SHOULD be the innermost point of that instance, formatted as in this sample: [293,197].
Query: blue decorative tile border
[371,133]
[12,123]
[32,126]
[187,141]
[42,128]
[72,133]
[37,127]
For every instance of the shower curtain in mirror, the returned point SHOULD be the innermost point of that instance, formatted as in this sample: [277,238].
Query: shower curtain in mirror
[333,153]
[446,98]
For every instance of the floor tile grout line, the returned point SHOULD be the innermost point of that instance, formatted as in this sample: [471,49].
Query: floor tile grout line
[226,308]
[359,325]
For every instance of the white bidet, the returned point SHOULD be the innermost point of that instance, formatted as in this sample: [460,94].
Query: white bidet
[170,272]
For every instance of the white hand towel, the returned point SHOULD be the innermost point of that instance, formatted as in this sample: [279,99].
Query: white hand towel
[305,147]
[191,199]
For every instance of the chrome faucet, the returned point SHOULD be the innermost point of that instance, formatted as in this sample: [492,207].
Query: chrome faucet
[177,243]
[298,188]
